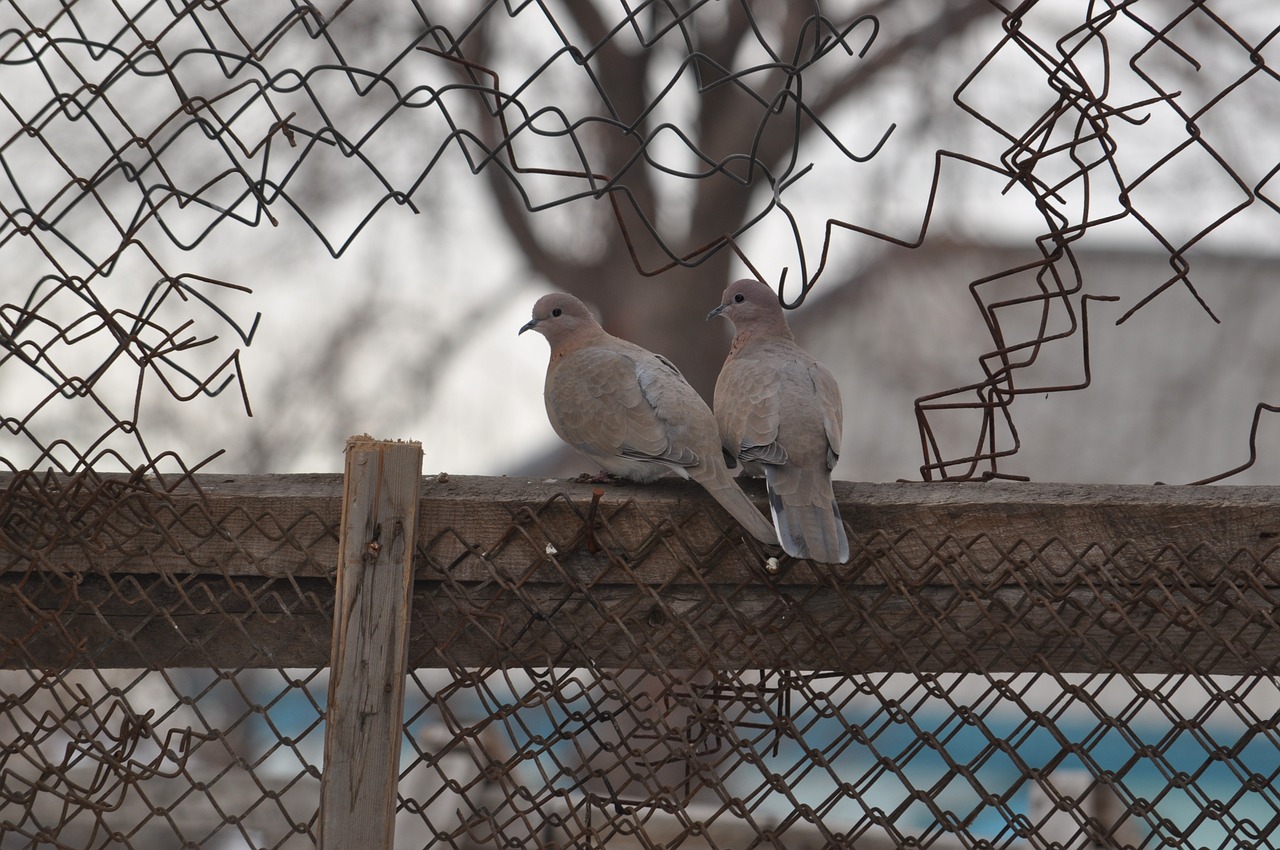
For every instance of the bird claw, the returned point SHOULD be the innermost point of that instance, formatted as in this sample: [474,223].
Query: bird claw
[601,477]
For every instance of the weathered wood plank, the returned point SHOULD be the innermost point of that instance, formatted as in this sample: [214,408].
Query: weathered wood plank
[258,623]
[669,531]
[364,720]
[994,576]
[88,621]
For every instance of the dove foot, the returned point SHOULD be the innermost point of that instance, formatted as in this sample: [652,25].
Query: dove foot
[601,477]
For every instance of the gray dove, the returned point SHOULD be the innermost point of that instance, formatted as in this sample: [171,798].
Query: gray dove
[631,411]
[779,410]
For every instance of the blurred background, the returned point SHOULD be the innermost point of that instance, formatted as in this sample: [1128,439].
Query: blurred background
[336,218]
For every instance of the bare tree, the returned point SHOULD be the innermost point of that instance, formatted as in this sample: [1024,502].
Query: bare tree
[638,155]
[759,80]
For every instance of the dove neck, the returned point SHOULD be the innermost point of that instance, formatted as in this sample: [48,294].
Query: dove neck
[760,332]
[584,336]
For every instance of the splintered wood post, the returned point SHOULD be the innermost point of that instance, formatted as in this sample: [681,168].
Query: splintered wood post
[364,719]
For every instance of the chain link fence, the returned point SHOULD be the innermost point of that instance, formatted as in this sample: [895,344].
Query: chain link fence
[1002,665]
[1022,687]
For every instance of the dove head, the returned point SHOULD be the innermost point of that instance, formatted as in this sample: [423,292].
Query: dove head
[563,320]
[754,310]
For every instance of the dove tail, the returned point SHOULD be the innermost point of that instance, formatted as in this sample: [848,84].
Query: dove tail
[718,481]
[806,514]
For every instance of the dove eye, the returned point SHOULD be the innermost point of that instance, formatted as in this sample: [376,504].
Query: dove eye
[739,298]
[556,312]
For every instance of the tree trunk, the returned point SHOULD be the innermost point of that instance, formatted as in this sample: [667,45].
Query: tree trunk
[667,314]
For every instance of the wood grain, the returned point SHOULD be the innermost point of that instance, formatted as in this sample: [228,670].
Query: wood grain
[364,721]
[995,577]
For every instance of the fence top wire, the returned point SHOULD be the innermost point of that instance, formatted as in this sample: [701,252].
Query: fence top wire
[126,132]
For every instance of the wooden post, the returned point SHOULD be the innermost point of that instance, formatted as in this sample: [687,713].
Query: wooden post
[364,720]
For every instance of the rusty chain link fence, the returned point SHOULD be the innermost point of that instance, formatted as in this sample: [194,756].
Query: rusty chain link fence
[1000,665]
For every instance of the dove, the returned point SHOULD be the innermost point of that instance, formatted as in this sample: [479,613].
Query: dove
[779,410]
[630,410]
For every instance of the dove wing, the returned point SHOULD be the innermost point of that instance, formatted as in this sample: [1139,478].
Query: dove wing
[832,411]
[749,409]
[597,404]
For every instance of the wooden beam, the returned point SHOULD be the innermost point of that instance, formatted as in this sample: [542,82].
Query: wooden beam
[997,576]
[364,720]
[617,624]
[286,526]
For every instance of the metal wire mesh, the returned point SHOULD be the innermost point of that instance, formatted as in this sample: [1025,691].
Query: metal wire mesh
[164,656]
[1023,689]
[944,692]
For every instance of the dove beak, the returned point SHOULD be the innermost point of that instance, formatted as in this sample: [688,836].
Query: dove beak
[716,312]
[527,326]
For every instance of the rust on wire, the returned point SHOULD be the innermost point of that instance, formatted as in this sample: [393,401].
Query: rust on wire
[1065,150]
[624,671]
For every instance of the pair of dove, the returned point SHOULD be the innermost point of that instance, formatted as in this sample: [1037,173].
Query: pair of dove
[776,409]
